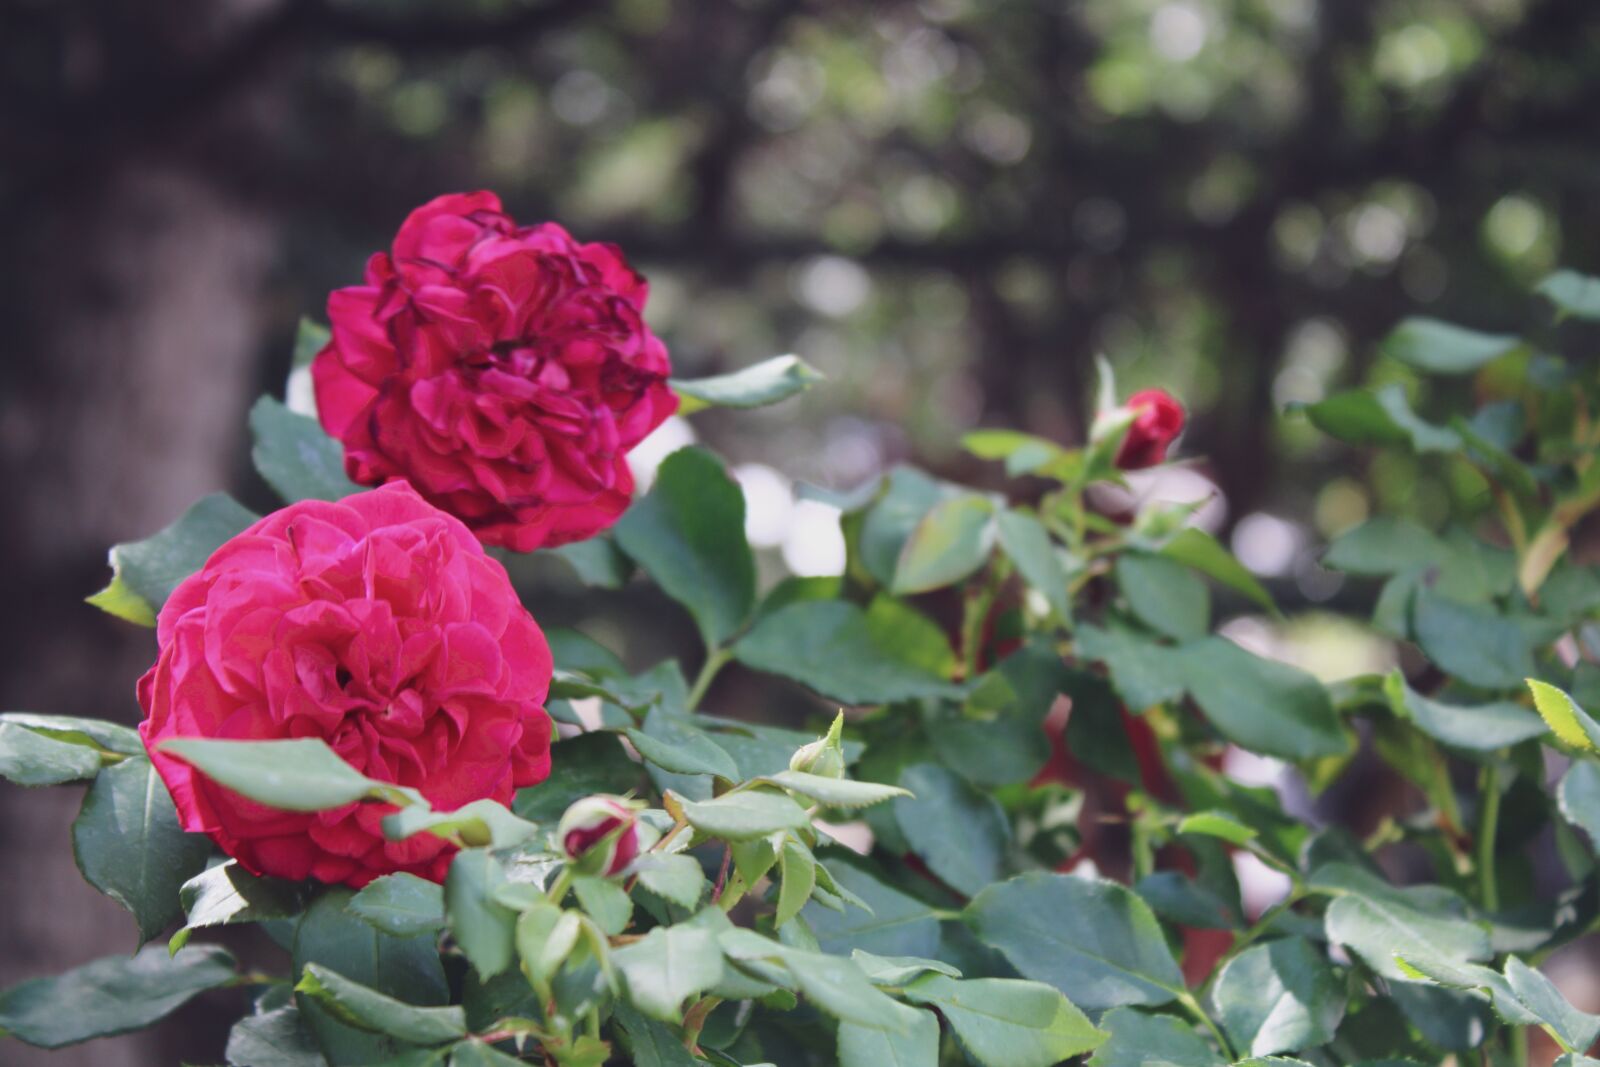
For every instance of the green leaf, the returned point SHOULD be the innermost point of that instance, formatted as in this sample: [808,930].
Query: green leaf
[677,878]
[949,543]
[667,966]
[1474,978]
[227,894]
[299,775]
[401,905]
[1023,453]
[1139,1039]
[1383,418]
[688,533]
[482,926]
[899,970]
[1217,824]
[1279,997]
[1009,745]
[1026,541]
[862,1046]
[1143,672]
[1473,642]
[651,1043]
[1195,548]
[129,845]
[310,338]
[1579,798]
[353,1003]
[91,733]
[836,792]
[590,764]
[676,743]
[1095,941]
[479,824]
[960,833]
[746,814]
[1383,546]
[295,455]
[1003,1022]
[907,495]
[1164,595]
[798,870]
[1575,1029]
[892,923]
[35,759]
[277,1038]
[110,996]
[767,382]
[605,902]
[475,1053]
[878,656]
[1570,723]
[831,984]
[1441,348]
[1265,706]
[1379,922]
[144,573]
[1476,728]
[1574,294]
[598,562]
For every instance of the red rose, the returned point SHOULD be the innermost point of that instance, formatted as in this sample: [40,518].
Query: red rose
[377,624]
[504,371]
[601,834]
[1157,420]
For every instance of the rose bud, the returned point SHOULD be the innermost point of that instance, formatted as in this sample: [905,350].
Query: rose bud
[823,757]
[600,834]
[1157,420]
[505,371]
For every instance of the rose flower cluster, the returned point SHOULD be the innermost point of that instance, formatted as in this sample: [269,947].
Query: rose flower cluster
[491,379]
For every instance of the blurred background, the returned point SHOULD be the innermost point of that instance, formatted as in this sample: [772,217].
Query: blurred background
[949,206]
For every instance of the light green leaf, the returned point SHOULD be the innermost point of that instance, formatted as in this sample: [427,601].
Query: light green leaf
[767,382]
[1471,641]
[678,878]
[129,845]
[1476,728]
[899,970]
[605,902]
[862,1046]
[1442,348]
[1575,1029]
[950,542]
[1217,824]
[960,833]
[906,496]
[227,894]
[667,966]
[401,904]
[35,759]
[144,573]
[277,1038]
[1026,541]
[1579,798]
[1140,1039]
[878,656]
[1095,941]
[798,870]
[1195,548]
[1379,922]
[688,533]
[1279,997]
[475,1053]
[1003,1022]
[299,775]
[830,983]
[1383,418]
[836,792]
[1472,978]
[91,733]
[545,937]
[482,926]
[1574,294]
[1570,723]
[650,1043]
[676,743]
[296,456]
[479,824]
[1164,595]
[353,1003]
[110,996]
[1023,453]
[746,814]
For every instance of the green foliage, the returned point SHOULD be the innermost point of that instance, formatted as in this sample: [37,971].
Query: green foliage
[144,573]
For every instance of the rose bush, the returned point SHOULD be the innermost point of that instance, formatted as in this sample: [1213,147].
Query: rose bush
[504,371]
[377,624]
[1049,771]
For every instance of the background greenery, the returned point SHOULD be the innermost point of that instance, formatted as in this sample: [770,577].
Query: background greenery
[948,207]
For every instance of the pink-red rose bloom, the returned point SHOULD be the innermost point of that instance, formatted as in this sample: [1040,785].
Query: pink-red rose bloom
[1158,419]
[504,371]
[377,624]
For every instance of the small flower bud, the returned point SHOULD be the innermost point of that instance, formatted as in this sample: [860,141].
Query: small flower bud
[600,834]
[1156,420]
[823,757]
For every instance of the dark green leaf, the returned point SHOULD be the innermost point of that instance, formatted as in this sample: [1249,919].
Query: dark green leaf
[1441,348]
[1279,997]
[688,533]
[1263,705]
[110,996]
[798,869]
[1473,642]
[1164,595]
[960,833]
[276,1038]
[1384,545]
[1378,921]
[1095,941]
[296,456]
[228,894]
[678,878]
[401,905]
[1477,728]
[589,764]
[1139,1039]
[877,656]
[482,926]
[144,573]
[129,845]
[1003,1022]
[1143,672]
[34,759]
[755,386]
[895,925]
[651,1043]
[746,814]
[353,1003]
[862,1046]
[1009,744]
[598,562]
[1195,548]
[907,496]
[676,743]
[299,775]
[1024,539]
[1577,1030]
[948,544]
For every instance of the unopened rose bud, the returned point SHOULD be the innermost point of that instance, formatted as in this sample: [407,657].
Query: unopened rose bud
[600,834]
[821,757]
[1157,419]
